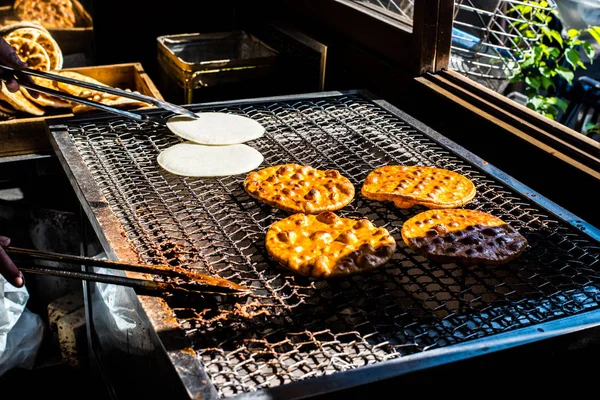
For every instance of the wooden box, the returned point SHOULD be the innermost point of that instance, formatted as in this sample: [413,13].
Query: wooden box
[28,135]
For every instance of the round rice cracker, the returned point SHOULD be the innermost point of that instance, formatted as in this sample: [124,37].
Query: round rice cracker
[31,52]
[216,128]
[463,236]
[326,246]
[300,188]
[427,186]
[42,37]
[196,160]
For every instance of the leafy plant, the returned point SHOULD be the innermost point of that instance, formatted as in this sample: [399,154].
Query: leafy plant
[592,129]
[549,60]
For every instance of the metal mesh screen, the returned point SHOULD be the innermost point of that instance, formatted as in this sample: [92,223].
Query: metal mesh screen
[293,327]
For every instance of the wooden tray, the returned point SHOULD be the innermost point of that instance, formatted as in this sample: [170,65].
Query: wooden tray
[28,135]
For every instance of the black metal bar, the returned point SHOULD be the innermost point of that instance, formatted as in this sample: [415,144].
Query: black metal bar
[95,277]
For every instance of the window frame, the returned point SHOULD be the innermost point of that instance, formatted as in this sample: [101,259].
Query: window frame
[426,45]
[419,39]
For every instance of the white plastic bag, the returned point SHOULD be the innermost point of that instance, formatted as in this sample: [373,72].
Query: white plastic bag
[21,331]
[117,321]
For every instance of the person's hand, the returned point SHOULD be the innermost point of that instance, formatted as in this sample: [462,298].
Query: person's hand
[7,268]
[10,58]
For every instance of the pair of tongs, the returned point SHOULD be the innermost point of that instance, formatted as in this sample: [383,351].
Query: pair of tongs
[107,89]
[185,281]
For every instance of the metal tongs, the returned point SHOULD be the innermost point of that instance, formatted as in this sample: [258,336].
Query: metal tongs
[107,89]
[185,281]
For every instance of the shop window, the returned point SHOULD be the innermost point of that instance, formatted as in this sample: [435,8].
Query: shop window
[403,9]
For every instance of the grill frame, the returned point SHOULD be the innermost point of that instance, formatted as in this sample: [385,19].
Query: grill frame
[190,369]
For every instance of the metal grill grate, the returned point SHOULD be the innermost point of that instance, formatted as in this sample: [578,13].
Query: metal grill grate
[294,327]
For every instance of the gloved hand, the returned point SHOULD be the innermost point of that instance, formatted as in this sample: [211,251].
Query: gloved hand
[8,269]
[9,57]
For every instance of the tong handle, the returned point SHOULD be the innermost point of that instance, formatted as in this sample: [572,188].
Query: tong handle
[139,284]
[80,100]
[206,282]
[100,88]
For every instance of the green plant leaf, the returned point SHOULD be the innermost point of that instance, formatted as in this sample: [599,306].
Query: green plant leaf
[595,32]
[572,57]
[547,83]
[541,17]
[582,65]
[535,103]
[553,52]
[551,111]
[533,81]
[545,71]
[572,33]
[528,62]
[556,35]
[530,92]
[530,34]
[565,73]
[589,50]
[546,31]
[591,128]
[561,104]
[516,78]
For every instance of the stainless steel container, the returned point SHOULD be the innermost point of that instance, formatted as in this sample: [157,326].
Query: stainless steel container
[198,60]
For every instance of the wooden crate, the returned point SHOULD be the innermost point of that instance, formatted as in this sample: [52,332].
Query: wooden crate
[28,135]
[70,40]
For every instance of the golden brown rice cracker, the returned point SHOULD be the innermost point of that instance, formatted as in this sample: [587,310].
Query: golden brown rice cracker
[300,188]
[463,236]
[327,246]
[19,102]
[410,185]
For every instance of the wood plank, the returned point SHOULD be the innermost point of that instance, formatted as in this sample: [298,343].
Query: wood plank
[511,107]
[525,130]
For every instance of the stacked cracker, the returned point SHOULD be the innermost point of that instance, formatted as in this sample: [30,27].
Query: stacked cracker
[39,50]
[48,13]
[35,45]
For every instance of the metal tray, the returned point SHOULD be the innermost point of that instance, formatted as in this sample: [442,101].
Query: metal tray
[196,60]
[299,337]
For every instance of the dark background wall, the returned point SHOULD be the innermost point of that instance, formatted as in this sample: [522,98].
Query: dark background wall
[126,30]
